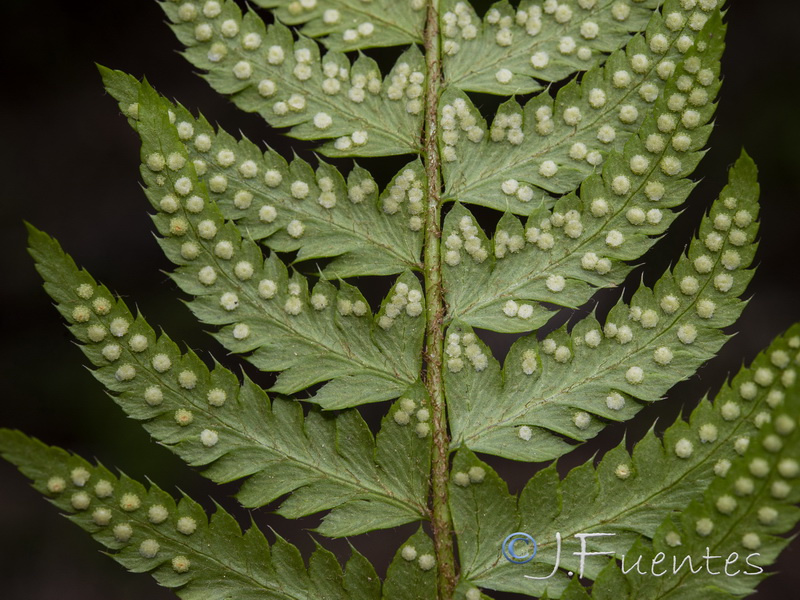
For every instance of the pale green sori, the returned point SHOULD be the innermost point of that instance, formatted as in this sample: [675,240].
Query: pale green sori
[592,174]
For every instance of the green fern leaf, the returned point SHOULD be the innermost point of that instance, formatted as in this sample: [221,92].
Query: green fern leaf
[147,531]
[584,238]
[636,495]
[310,336]
[515,48]
[411,574]
[558,388]
[740,516]
[207,418]
[261,193]
[583,181]
[347,25]
[532,155]
[268,72]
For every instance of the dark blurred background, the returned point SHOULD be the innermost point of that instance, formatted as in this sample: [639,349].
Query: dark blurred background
[69,165]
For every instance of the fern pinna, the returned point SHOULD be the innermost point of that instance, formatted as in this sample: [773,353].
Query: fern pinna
[584,180]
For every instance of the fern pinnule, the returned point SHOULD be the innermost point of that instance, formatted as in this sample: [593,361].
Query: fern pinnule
[727,446]
[146,530]
[572,383]
[564,252]
[212,420]
[288,83]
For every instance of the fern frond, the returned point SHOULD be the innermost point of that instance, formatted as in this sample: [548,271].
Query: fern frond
[571,384]
[532,155]
[208,418]
[311,336]
[347,25]
[263,194]
[631,495]
[265,70]
[513,49]
[583,178]
[148,531]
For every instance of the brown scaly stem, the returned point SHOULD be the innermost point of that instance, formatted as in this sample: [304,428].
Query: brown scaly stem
[442,526]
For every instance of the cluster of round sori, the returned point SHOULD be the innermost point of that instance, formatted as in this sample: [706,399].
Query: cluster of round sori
[337,73]
[507,242]
[460,347]
[408,410]
[561,353]
[504,26]
[475,474]
[466,238]
[358,29]
[508,126]
[752,487]
[360,188]
[529,361]
[406,186]
[519,310]
[404,299]
[126,515]
[173,192]
[570,223]
[456,117]
[407,84]
[687,300]
[515,189]
[140,367]
[614,94]
[293,302]
[243,270]
[348,307]
[458,24]
[651,167]
[223,252]
[426,562]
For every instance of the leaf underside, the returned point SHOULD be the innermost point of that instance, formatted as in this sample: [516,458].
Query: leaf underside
[209,418]
[586,180]
[574,382]
[146,530]
[733,464]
